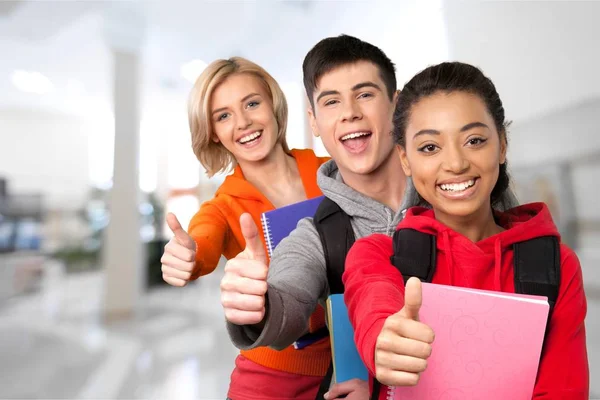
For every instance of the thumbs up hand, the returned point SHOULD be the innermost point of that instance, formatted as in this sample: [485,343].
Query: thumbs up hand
[244,284]
[179,259]
[404,343]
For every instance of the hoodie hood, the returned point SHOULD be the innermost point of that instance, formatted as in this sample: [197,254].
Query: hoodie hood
[236,185]
[368,215]
[461,254]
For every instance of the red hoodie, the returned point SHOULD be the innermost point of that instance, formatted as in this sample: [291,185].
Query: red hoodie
[374,290]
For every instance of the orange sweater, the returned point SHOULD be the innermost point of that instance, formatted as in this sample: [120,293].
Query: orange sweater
[216,230]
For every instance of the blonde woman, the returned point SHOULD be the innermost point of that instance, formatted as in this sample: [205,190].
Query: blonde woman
[238,119]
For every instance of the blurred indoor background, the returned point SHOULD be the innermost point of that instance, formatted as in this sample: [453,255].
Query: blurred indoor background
[93,110]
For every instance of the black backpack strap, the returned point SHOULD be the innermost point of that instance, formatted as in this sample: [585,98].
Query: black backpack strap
[325,383]
[537,268]
[376,389]
[414,254]
[337,236]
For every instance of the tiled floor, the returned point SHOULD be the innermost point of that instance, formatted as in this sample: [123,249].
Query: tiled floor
[53,345]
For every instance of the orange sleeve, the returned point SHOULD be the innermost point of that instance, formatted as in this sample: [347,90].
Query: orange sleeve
[210,231]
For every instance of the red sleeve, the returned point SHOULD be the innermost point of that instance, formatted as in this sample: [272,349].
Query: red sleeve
[374,290]
[564,370]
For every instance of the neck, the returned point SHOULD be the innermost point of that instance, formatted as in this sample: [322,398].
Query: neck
[275,170]
[386,184]
[476,227]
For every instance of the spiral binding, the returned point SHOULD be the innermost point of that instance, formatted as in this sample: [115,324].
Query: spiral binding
[267,234]
[391,392]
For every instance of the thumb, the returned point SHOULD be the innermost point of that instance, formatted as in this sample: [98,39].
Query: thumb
[412,299]
[254,246]
[345,388]
[180,234]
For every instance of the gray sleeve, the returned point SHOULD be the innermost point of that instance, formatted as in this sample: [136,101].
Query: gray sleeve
[297,280]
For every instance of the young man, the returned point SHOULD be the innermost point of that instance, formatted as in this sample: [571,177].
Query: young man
[351,86]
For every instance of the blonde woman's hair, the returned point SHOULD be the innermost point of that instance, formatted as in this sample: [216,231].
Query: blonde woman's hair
[212,155]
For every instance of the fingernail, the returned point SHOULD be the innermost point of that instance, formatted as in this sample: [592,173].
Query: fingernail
[326,396]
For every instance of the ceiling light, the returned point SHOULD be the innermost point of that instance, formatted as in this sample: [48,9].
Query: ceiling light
[31,82]
[191,70]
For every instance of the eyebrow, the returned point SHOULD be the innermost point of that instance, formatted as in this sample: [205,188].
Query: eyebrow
[241,101]
[354,88]
[463,129]
[474,125]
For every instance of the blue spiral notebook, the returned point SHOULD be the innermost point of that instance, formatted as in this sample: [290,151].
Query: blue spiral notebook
[278,223]
[347,364]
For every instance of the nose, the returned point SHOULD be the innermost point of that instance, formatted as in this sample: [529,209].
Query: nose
[244,121]
[455,160]
[350,112]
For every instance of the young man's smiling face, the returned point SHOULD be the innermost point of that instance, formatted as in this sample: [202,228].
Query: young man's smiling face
[353,116]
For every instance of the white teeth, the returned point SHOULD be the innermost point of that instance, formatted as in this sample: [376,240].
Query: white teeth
[250,137]
[457,187]
[354,135]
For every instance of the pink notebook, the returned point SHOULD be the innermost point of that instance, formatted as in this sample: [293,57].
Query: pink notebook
[487,345]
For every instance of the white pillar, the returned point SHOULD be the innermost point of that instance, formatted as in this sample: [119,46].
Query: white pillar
[123,252]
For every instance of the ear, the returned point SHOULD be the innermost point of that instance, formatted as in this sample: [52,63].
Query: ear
[404,161]
[215,139]
[503,147]
[313,122]
[396,94]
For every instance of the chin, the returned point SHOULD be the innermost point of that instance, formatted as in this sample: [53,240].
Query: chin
[361,168]
[459,209]
[255,156]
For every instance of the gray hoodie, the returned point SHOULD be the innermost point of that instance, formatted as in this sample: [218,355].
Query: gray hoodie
[297,278]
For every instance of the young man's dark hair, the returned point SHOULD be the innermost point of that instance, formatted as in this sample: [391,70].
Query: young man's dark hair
[333,52]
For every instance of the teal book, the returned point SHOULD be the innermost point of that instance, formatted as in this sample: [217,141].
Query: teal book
[347,364]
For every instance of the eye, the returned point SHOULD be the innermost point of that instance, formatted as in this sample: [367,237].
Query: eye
[476,141]
[428,148]
[365,95]
[222,117]
[252,104]
[330,102]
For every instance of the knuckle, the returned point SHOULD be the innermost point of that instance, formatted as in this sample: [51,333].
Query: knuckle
[225,285]
[381,374]
[225,299]
[188,267]
[431,335]
[230,265]
[190,256]
[264,270]
[263,287]
[390,322]
[383,341]
[426,350]
[412,379]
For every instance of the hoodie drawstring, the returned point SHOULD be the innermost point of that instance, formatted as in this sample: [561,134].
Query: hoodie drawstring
[497,265]
[450,261]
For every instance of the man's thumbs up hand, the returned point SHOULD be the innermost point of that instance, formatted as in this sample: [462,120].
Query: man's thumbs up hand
[244,284]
